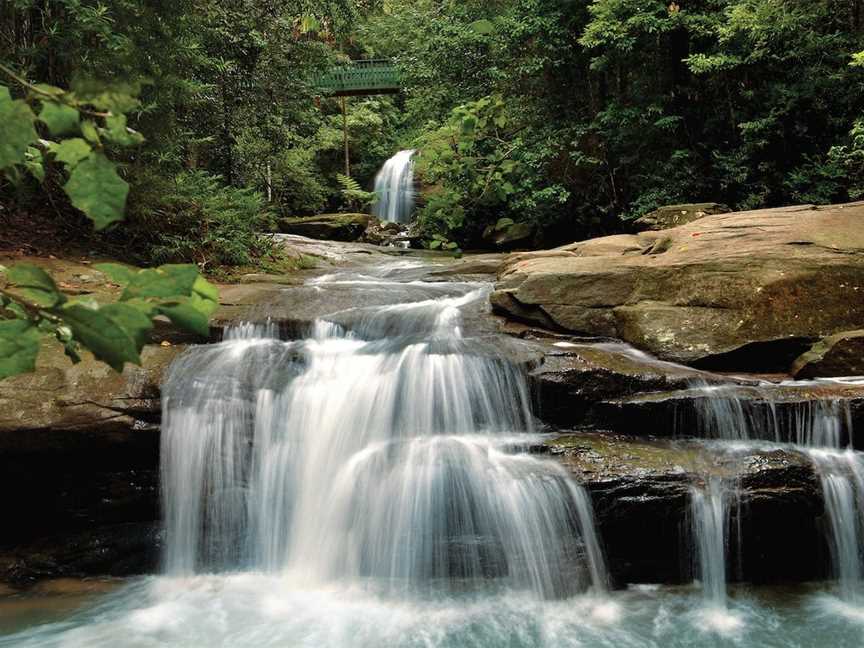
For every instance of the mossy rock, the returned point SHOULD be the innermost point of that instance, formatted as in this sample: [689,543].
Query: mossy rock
[331,227]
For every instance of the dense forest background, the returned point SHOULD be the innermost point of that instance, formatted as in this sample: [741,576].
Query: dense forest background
[569,115]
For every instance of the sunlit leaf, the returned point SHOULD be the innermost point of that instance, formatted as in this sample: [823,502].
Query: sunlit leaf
[59,118]
[107,339]
[19,347]
[16,129]
[95,188]
[35,283]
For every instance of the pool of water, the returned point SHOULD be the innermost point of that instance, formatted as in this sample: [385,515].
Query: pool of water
[262,611]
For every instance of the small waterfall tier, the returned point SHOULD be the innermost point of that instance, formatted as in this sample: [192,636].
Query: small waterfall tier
[394,189]
[820,428]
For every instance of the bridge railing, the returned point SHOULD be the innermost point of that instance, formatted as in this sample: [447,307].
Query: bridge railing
[370,76]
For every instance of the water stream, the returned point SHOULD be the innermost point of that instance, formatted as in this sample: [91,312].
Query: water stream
[370,484]
[822,429]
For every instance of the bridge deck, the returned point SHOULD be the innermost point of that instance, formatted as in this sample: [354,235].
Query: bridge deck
[367,77]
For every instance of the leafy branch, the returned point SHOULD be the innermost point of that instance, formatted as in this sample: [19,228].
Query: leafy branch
[83,123]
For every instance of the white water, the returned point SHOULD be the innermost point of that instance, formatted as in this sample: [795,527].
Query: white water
[339,459]
[820,428]
[394,189]
[709,519]
[252,562]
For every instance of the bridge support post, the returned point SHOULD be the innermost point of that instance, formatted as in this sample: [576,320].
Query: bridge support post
[345,136]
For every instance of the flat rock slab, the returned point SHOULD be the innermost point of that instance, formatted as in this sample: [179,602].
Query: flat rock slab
[746,290]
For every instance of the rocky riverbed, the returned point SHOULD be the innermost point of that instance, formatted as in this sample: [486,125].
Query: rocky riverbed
[743,292]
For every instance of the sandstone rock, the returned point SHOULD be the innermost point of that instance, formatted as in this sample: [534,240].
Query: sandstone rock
[841,354]
[763,284]
[60,396]
[332,227]
[577,379]
[670,216]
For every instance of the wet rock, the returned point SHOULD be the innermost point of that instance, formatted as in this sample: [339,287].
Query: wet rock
[577,378]
[670,216]
[841,354]
[763,284]
[331,227]
[777,412]
[641,495]
[389,234]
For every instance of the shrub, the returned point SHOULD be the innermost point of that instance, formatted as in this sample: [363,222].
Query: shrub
[195,217]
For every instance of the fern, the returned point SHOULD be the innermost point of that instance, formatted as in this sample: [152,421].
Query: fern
[352,192]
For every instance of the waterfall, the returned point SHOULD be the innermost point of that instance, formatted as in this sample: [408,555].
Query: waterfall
[350,457]
[841,475]
[709,513]
[820,428]
[394,189]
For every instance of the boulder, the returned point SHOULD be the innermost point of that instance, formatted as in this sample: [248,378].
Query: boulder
[841,354]
[670,216]
[742,291]
[507,235]
[332,227]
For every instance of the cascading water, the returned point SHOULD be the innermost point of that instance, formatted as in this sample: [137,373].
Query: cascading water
[394,189]
[371,485]
[709,513]
[820,428]
[345,457]
[841,475]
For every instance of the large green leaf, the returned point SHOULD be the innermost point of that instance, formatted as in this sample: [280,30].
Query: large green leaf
[96,330]
[71,151]
[59,117]
[16,129]
[136,324]
[95,188]
[205,296]
[165,281]
[116,132]
[186,316]
[118,272]
[19,346]
[36,284]
[117,97]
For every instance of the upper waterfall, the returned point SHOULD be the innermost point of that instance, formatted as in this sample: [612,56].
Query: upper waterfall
[394,188]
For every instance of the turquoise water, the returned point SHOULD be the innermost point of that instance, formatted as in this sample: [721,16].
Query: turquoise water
[263,611]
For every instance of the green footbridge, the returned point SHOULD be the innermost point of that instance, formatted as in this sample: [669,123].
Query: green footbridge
[366,77]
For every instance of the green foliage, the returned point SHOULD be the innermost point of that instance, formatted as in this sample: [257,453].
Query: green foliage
[202,219]
[474,161]
[615,107]
[354,195]
[32,306]
[93,185]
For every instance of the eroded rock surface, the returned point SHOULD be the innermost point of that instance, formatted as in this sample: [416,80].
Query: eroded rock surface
[331,227]
[747,290]
[670,216]
[837,355]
